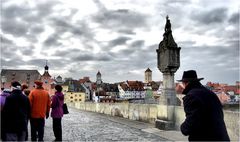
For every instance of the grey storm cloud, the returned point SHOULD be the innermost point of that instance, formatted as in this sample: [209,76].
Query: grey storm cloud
[126,31]
[121,18]
[14,61]
[138,43]
[91,57]
[234,19]
[132,47]
[27,50]
[66,53]
[14,11]
[214,16]
[228,56]
[119,41]
[5,40]
[79,30]
[24,21]
[15,28]
[7,48]
[52,40]
[45,9]
[35,30]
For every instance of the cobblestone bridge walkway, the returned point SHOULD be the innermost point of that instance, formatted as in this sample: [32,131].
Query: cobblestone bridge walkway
[88,126]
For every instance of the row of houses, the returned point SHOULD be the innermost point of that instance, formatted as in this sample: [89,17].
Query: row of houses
[84,89]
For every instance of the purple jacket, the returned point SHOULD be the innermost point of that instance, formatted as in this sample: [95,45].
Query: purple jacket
[3,97]
[57,103]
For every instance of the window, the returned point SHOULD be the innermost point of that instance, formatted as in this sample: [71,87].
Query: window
[80,100]
[71,97]
[75,100]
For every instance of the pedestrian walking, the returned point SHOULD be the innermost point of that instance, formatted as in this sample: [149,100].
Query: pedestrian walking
[26,92]
[204,115]
[24,87]
[15,114]
[40,107]
[57,112]
[3,96]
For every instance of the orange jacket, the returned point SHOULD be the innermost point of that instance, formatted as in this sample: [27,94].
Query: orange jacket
[40,103]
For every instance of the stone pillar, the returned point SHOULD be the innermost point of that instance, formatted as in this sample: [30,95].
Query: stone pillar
[168,93]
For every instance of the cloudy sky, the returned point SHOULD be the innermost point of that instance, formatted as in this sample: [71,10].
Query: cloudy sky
[120,37]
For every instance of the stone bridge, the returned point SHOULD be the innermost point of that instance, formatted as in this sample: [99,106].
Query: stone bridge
[150,113]
[81,125]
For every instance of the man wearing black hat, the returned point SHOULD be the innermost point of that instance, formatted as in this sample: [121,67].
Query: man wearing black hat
[15,114]
[204,115]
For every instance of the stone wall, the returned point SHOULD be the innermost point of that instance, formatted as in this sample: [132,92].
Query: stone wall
[150,112]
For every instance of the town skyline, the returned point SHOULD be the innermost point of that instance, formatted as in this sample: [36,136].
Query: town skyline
[120,38]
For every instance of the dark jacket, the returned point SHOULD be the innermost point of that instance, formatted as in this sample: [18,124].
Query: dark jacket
[57,103]
[16,112]
[204,115]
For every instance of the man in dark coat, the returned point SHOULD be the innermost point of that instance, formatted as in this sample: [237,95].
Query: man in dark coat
[15,114]
[204,115]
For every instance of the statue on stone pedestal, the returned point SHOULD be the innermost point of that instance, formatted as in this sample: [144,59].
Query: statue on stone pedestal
[168,25]
[168,59]
[168,54]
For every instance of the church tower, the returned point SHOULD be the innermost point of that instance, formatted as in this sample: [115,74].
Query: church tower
[148,76]
[47,81]
[99,78]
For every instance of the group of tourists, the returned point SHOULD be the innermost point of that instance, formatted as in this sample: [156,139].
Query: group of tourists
[19,105]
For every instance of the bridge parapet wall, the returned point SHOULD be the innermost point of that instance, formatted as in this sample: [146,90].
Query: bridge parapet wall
[151,112]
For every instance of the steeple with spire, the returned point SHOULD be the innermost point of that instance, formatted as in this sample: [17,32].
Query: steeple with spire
[47,80]
[46,74]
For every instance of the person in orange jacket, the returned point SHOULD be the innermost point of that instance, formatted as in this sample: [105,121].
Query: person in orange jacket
[40,106]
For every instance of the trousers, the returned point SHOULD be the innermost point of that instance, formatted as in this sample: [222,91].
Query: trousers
[37,128]
[57,128]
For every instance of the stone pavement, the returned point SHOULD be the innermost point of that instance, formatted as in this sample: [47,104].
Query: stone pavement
[89,126]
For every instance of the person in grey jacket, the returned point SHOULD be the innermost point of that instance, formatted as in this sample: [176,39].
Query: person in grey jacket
[204,115]
[57,112]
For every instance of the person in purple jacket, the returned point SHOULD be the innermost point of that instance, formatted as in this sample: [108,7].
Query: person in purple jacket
[57,112]
[3,96]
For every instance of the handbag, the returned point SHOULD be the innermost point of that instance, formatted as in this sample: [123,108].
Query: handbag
[65,109]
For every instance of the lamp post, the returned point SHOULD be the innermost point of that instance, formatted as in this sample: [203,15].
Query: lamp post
[3,79]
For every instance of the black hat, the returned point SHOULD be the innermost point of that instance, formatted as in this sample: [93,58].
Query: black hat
[189,75]
[16,85]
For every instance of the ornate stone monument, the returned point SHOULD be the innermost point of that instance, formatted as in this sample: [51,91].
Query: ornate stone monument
[168,59]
